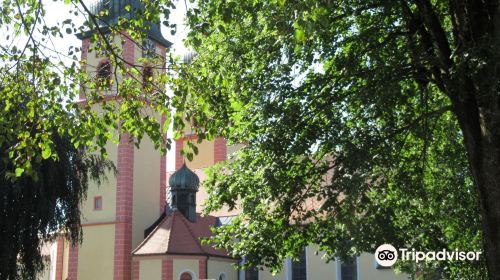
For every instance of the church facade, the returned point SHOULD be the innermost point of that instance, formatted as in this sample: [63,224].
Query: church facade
[144,223]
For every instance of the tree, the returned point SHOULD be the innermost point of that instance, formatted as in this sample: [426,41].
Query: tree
[38,198]
[52,143]
[386,112]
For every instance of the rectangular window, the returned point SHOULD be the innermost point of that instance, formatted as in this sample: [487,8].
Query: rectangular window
[252,273]
[299,270]
[98,203]
[349,269]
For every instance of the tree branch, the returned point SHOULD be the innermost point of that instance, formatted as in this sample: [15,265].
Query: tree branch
[437,32]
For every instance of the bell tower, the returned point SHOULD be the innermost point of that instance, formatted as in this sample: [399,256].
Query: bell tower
[115,214]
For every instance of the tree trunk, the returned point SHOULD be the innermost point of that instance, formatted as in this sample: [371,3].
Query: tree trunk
[480,125]
[488,183]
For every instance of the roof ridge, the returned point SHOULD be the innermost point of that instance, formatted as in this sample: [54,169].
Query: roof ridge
[171,230]
[184,220]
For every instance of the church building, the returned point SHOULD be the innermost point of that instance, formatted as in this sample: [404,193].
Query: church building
[144,223]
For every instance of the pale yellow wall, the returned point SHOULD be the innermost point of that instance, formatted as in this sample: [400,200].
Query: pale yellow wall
[146,176]
[96,254]
[150,269]
[205,156]
[317,268]
[108,192]
[146,208]
[180,265]
[216,267]
[367,270]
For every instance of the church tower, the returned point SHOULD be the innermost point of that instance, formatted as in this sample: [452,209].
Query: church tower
[115,214]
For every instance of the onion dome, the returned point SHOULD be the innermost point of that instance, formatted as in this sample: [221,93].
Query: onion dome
[184,179]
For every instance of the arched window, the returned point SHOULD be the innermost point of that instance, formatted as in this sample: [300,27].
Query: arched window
[147,78]
[186,276]
[104,74]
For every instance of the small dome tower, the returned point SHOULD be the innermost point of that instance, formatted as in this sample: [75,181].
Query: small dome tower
[184,185]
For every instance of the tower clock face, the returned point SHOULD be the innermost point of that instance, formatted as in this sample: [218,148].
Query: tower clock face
[148,48]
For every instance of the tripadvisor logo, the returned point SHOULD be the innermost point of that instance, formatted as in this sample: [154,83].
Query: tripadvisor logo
[386,255]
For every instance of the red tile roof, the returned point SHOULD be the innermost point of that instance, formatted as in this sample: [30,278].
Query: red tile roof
[176,235]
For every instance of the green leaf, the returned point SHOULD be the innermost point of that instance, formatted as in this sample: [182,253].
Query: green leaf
[19,171]
[46,152]
[300,34]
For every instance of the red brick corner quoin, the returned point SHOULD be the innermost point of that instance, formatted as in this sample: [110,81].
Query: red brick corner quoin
[124,194]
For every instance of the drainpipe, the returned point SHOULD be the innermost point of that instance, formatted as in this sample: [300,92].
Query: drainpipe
[239,269]
[206,266]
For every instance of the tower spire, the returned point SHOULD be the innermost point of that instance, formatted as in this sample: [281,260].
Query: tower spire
[127,9]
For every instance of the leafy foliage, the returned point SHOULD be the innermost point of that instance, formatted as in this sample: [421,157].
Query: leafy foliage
[38,208]
[43,175]
[351,119]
